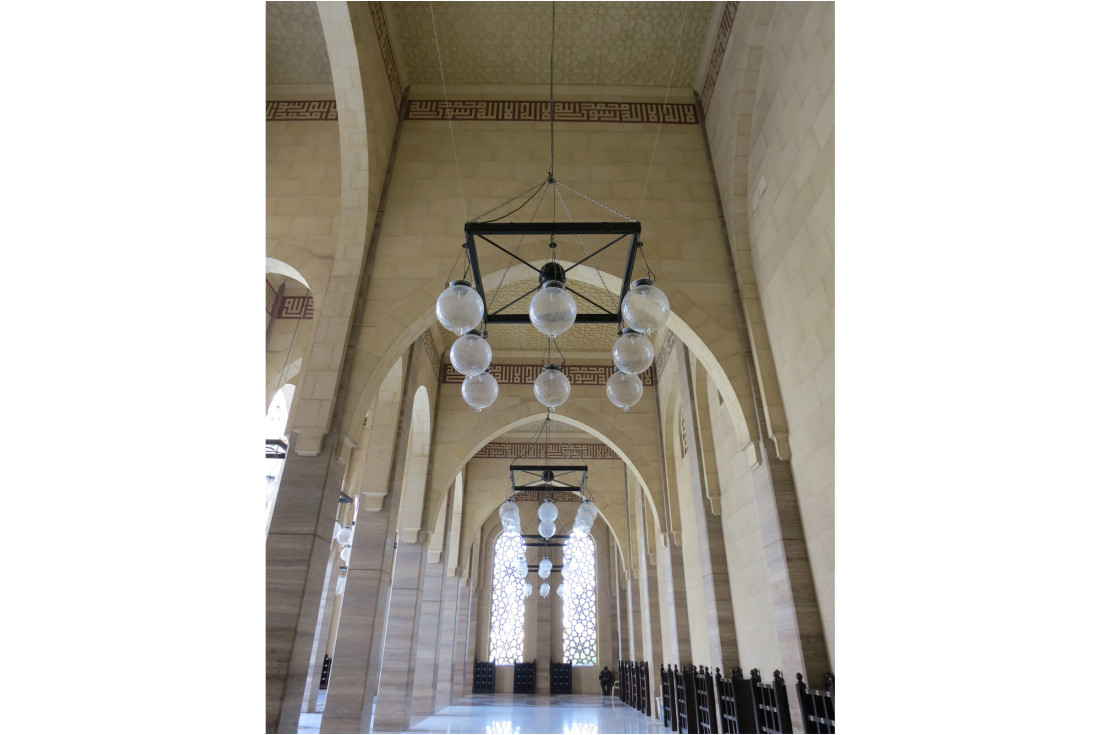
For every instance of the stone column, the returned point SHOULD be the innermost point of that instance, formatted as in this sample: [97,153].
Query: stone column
[366,594]
[298,544]
[429,611]
[391,712]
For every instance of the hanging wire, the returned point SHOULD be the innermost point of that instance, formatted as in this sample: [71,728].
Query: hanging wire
[447,102]
[515,253]
[596,263]
[661,119]
[553,31]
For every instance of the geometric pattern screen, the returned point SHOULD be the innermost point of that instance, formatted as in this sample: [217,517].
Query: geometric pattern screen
[506,628]
[579,615]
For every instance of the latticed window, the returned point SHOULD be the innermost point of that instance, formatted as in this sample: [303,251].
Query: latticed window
[579,618]
[506,631]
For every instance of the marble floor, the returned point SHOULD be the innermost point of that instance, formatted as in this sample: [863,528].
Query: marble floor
[573,714]
[528,714]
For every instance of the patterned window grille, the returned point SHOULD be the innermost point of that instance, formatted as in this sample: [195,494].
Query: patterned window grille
[506,631]
[579,617]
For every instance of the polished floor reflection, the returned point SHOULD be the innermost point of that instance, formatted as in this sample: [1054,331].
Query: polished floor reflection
[528,714]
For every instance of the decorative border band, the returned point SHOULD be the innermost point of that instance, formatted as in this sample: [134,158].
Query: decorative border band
[318,110]
[664,353]
[295,307]
[716,57]
[525,374]
[432,351]
[513,450]
[531,111]
[271,296]
[387,51]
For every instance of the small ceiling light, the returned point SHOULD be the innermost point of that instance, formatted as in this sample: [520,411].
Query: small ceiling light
[459,308]
[471,354]
[624,390]
[645,307]
[521,567]
[562,590]
[345,553]
[480,391]
[527,589]
[545,567]
[552,387]
[344,536]
[632,353]
[544,589]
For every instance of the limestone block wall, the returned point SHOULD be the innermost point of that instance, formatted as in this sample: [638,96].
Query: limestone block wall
[754,616]
[771,128]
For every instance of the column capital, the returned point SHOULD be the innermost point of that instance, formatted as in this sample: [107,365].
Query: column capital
[309,441]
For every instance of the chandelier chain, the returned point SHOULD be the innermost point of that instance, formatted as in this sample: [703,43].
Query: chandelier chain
[447,102]
[518,246]
[661,120]
[504,204]
[596,202]
[599,272]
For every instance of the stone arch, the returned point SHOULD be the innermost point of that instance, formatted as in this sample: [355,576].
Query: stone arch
[448,460]
[728,365]
[294,261]
[415,481]
[283,378]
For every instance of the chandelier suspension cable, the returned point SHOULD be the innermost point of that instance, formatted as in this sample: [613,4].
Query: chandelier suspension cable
[553,30]
[515,253]
[447,106]
[661,118]
[596,263]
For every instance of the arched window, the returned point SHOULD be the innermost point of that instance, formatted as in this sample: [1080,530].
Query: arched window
[578,633]
[506,630]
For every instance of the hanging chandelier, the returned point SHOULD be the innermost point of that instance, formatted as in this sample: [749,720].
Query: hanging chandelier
[546,478]
[639,309]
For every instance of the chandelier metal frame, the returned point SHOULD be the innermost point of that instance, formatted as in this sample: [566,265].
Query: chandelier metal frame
[618,231]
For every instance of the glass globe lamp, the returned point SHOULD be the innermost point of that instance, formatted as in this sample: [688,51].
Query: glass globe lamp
[527,589]
[645,307]
[521,567]
[553,309]
[545,567]
[544,589]
[586,516]
[509,512]
[344,536]
[345,553]
[479,391]
[459,308]
[632,353]
[471,353]
[562,590]
[547,528]
[624,390]
[548,511]
[551,387]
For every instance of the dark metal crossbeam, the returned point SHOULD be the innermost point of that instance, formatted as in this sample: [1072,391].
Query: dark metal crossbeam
[618,230]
